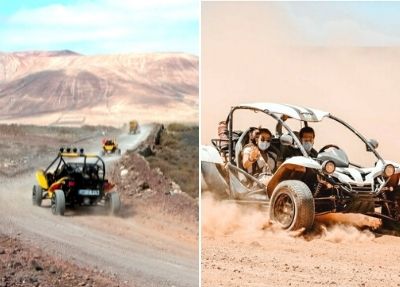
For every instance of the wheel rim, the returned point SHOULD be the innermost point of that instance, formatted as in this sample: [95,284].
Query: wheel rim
[53,204]
[34,195]
[284,210]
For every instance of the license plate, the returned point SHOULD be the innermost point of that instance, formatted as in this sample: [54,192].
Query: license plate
[89,192]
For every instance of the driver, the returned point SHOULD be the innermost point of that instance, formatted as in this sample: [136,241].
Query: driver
[306,136]
[258,156]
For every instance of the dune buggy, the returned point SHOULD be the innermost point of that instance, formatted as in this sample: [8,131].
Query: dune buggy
[303,187]
[134,127]
[75,179]
[110,146]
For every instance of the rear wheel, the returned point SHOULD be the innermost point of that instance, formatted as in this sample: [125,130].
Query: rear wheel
[292,205]
[58,202]
[113,203]
[37,195]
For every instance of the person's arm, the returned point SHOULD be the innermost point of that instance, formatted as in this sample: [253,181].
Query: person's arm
[278,128]
[250,155]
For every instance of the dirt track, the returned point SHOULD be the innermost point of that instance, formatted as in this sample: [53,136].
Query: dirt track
[140,250]
[240,248]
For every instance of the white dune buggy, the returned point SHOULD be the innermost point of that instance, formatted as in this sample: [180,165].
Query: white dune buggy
[303,187]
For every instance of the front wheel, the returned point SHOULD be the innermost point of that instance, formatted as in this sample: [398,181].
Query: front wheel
[37,195]
[392,209]
[58,202]
[292,205]
[113,203]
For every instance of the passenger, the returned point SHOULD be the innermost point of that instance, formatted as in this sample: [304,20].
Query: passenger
[258,156]
[306,136]
[278,128]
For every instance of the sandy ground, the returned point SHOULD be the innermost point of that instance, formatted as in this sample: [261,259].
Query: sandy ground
[139,250]
[241,248]
[271,59]
[24,265]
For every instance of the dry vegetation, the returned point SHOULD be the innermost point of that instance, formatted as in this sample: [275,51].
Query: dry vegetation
[23,148]
[177,156]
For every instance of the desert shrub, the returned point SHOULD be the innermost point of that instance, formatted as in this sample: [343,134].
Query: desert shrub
[177,156]
[178,127]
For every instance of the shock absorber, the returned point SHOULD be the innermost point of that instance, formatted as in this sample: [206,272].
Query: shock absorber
[318,189]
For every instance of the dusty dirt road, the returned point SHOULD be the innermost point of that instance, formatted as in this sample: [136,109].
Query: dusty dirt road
[240,248]
[139,250]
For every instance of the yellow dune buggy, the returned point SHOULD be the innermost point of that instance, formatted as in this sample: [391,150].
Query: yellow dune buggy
[110,146]
[134,127]
[75,179]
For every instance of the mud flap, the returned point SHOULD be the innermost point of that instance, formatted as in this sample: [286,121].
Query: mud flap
[42,179]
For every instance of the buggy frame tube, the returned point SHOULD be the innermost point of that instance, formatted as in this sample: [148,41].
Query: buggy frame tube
[50,165]
[61,158]
[230,129]
[359,135]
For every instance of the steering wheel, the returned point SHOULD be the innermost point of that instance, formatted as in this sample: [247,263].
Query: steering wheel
[328,146]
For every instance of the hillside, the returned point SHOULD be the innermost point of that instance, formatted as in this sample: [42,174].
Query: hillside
[57,86]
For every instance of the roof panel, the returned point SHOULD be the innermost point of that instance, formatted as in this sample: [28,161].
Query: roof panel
[295,112]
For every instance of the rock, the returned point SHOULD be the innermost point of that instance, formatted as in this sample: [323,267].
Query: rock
[174,188]
[2,251]
[146,151]
[158,171]
[52,270]
[16,264]
[143,185]
[36,265]
[124,172]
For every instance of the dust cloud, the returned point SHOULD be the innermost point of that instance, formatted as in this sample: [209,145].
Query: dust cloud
[220,218]
[248,223]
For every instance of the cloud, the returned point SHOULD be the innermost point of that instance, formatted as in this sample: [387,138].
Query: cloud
[102,26]
[344,23]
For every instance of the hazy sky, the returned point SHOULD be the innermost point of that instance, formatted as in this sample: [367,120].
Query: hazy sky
[100,26]
[344,23]
[342,57]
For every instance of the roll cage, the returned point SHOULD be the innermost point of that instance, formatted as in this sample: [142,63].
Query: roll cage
[63,159]
[304,115]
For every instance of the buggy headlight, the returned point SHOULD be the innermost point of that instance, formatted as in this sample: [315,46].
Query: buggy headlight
[388,171]
[328,167]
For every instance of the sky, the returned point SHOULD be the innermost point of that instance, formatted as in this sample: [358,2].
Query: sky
[100,26]
[358,23]
[341,57]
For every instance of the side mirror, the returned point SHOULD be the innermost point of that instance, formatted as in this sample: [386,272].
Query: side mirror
[286,139]
[374,144]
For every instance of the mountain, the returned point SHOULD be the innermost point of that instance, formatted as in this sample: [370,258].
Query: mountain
[49,86]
